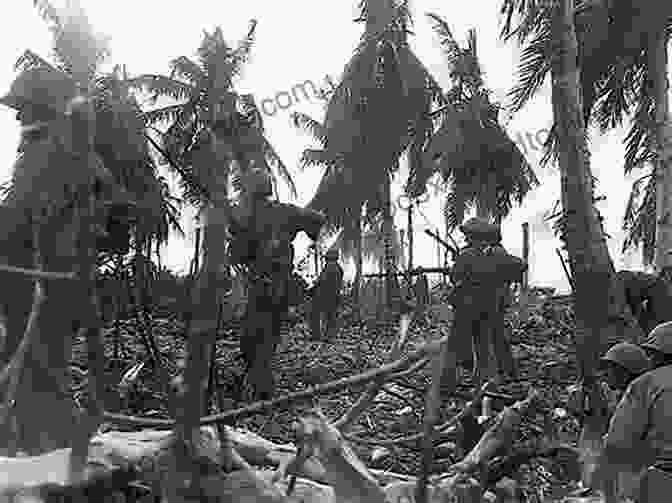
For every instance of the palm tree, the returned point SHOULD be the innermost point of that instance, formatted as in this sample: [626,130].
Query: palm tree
[470,150]
[625,57]
[379,110]
[344,214]
[204,105]
[213,138]
[107,133]
[548,31]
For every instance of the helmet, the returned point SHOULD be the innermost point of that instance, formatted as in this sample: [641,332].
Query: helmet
[260,183]
[41,86]
[629,356]
[660,338]
[331,254]
[481,229]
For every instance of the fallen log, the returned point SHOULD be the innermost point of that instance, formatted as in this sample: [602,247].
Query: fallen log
[397,368]
[496,440]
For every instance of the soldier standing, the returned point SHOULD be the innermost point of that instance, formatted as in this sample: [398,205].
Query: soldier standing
[327,298]
[506,269]
[263,233]
[481,273]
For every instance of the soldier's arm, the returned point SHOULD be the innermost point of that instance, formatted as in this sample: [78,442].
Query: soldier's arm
[624,443]
[311,222]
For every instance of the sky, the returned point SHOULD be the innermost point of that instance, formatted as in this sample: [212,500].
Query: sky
[304,40]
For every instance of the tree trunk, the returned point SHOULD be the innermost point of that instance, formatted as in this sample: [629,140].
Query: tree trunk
[658,72]
[598,297]
[358,267]
[409,231]
[389,261]
[212,281]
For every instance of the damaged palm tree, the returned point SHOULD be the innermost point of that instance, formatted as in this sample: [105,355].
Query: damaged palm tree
[66,204]
[471,150]
[379,110]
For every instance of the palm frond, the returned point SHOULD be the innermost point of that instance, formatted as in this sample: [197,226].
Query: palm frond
[48,12]
[161,86]
[187,70]
[164,115]
[534,66]
[311,158]
[250,112]
[78,50]
[640,218]
[276,163]
[522,18]
[241,54]
[451,49]
[311,126]
[29,60]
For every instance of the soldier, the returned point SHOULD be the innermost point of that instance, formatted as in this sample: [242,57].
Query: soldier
[640,432]
[326,298]
[623,363]
[483,272]
[480,274]
[507,269]
[263,233]
[421,289]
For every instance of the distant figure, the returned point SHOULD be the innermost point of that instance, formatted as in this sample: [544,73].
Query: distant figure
[327,298]
[421,289]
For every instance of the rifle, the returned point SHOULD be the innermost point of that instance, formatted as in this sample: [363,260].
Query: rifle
[452,249]
[415,272]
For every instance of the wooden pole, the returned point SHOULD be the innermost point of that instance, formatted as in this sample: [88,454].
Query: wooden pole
[526,255]
[409,231]
[523,301]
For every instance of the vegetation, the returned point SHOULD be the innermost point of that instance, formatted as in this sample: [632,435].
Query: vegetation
[98,330]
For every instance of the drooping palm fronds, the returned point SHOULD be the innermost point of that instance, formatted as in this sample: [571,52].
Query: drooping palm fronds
[470,149]
[614,44]
[639,221]
[380,107]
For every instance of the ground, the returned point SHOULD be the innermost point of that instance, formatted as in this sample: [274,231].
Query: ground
[542,348]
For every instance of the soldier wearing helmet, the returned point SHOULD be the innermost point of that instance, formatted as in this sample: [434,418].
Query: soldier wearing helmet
[481,273]
[327,297]
[640,431]
[263,231]
[624,362]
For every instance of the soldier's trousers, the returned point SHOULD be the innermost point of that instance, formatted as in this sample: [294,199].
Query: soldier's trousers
[260,338]
[479,325]
[323,319]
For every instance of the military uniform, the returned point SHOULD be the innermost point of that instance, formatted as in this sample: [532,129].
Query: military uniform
[640,430]
[263,242]
[326,298]
[481,274]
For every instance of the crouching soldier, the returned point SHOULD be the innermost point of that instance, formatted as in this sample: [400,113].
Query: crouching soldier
[327,298]
[640,431]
